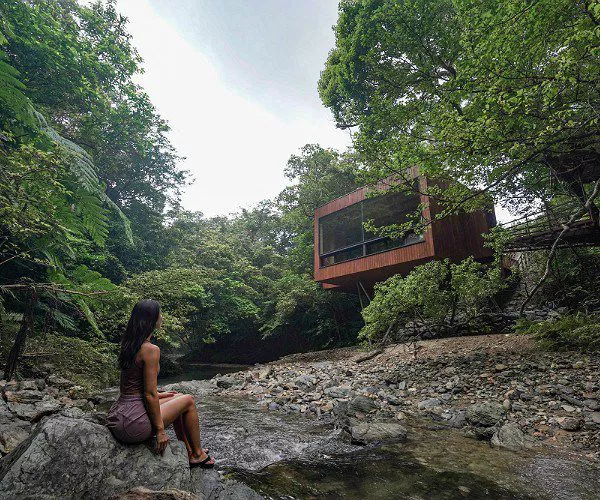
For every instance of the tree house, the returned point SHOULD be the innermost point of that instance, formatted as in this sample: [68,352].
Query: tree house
[347,256]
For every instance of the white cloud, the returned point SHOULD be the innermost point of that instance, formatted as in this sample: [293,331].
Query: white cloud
[235,148]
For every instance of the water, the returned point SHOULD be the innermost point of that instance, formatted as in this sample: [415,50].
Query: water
[292,456]
[201,371]
[372,474]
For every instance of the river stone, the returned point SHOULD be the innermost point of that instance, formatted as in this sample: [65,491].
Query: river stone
[509,436]
[226,382]
[337,391]
[76,458]
[12,429]
[305,382]
[377,431]
[141,493]
[570,423]
[361,404]
[35,411]
[429,403]
[265,373]
[209,485]
[485,415]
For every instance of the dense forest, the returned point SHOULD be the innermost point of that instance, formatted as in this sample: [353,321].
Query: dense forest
[504,102]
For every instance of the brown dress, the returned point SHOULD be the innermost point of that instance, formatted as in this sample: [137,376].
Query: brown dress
[128,419]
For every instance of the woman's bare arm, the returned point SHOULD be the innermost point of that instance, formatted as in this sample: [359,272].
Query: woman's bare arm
[151,357]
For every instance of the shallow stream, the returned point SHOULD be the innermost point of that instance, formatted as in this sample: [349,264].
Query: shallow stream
[292,456]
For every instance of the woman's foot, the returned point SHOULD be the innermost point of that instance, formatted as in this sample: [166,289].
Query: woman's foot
[201,460]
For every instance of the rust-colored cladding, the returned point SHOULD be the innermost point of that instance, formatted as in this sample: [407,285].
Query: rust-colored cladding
[455,237]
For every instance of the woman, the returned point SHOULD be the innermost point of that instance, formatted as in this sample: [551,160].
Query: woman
[141,409]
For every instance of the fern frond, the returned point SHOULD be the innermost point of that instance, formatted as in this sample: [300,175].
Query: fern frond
[89,316]
[13,101]
[84,170]
[81,164]
[93,217]
[124,220]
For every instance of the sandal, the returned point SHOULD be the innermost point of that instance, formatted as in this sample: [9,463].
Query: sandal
[203,464]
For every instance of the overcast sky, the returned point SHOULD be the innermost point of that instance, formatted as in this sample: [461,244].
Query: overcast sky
[237,82]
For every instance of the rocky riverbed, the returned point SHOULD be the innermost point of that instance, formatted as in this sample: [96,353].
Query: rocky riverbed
[468,417]
[499,388]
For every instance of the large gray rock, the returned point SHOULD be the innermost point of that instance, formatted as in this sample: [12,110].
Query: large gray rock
[76,458]
[485,415]
[509,436]
[68,457]
[35,411]
[377,431]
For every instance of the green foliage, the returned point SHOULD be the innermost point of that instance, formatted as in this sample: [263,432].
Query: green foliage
[92,365]
[573,280]
[440,295]
[318,175]
[199,304]
[579,331]
[493,95]
[298,305]
[14,104]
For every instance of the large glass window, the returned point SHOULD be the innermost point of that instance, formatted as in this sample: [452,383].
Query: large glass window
[341,234]
[341,229]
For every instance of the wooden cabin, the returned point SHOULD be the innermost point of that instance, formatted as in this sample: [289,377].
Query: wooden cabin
[347,256]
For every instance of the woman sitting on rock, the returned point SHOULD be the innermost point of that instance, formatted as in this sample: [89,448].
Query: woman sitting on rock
[141,409]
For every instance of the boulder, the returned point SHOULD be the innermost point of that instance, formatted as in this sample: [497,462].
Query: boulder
[509,436]
[34,411]
[12,433]
[361,404]
[60,382]
[75,458]
[485,415]
[68,457]
[371,432]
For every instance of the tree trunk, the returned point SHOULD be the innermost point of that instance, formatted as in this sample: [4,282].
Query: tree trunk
[19,344]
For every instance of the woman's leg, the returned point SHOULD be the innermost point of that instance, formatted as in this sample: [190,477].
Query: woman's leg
[180,428]
[181,434]
[185,407]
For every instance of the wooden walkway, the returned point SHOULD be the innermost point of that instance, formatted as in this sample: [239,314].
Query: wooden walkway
[539,230]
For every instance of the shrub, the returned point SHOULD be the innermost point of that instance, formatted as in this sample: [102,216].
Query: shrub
[578,331]
[91,364]
[441,297]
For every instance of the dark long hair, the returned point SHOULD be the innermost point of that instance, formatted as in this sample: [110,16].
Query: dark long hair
[141,324]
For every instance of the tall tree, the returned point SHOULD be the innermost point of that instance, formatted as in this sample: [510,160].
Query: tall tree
[500,96]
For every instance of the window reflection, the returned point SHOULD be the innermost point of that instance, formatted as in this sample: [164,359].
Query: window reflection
[341,234]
